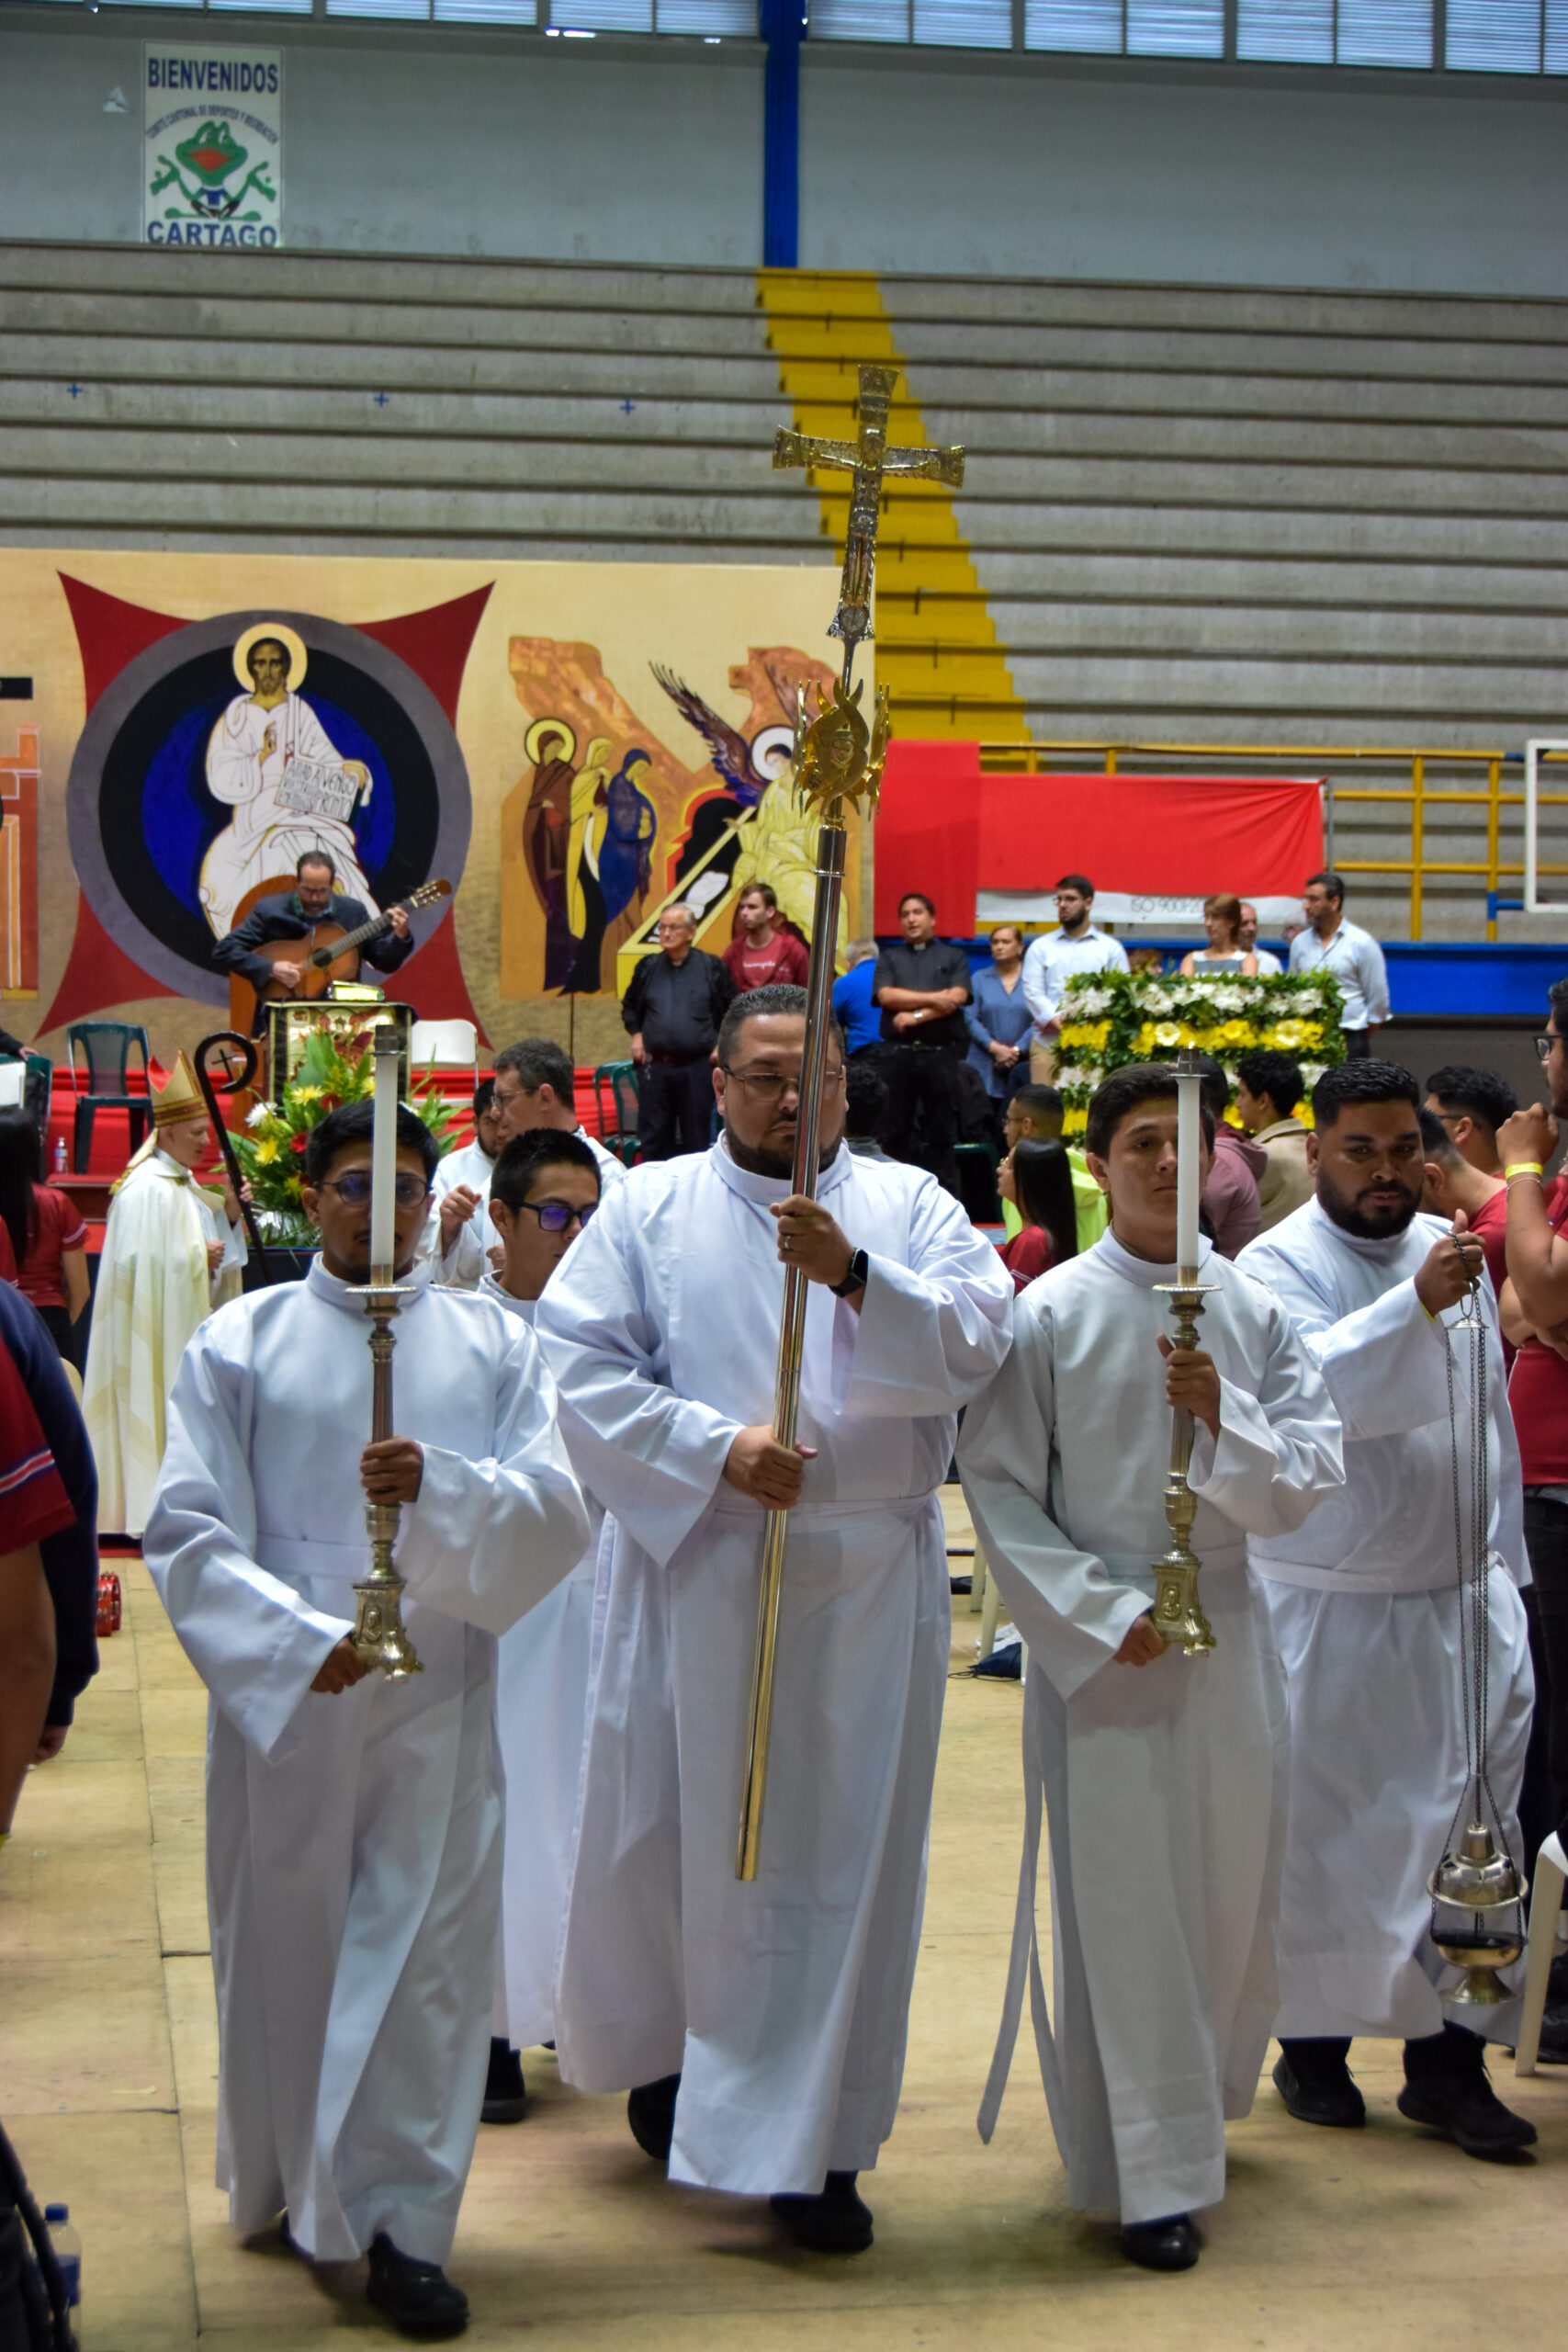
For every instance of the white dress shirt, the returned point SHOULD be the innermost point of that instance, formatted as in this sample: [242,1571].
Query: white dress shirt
[1050,963]
[1354,958]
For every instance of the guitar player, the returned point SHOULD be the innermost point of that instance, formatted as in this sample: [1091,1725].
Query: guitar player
[293,914]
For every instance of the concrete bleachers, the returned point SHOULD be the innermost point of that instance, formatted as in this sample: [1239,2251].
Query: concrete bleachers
[1197,515]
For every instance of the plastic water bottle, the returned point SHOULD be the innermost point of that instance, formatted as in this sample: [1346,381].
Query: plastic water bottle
[61,1158]
[68,2253]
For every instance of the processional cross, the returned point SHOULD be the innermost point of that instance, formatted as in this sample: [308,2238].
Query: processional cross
[868,459]
[838,758]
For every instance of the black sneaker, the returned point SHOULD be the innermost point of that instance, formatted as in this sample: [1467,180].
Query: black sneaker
[1553,2050]
[1170,2245]
[1319,2093]
[417,2297]
[650,2111]
[838,2222]
[1446,2088]
[506,2098]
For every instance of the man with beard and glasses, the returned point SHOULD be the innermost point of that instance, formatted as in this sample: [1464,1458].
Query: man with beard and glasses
[759,2026]
[1367,1614]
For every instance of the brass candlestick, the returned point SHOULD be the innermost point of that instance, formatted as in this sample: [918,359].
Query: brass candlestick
[379,1634]
[1177,1613]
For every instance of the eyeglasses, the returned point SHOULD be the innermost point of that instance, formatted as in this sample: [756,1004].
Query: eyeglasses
[556,1215]
[1543,1047]
[354,1189]
[768,1086]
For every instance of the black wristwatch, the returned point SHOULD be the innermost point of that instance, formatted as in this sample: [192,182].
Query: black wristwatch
[860,1267]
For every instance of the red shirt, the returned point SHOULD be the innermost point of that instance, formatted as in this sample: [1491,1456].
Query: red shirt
[1537,1390]
[1490,1226]
[784,958]
[59,1228]
[1029,1253]
[33,1501]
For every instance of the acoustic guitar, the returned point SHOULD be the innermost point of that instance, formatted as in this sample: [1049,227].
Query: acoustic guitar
[327,953]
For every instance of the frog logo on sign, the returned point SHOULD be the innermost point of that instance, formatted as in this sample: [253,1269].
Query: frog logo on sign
[212,167]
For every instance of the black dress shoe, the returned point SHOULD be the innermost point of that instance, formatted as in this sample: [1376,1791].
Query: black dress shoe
[838,2222]
[650,2111]
[417,2297]
[1320,2095]
[506,2096]
[1170,2245]
[1553,2050]
[1446,2088]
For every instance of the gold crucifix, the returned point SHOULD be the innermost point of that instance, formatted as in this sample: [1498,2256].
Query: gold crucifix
[867,459]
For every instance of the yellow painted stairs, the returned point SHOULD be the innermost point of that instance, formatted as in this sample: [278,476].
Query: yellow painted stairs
[936,646]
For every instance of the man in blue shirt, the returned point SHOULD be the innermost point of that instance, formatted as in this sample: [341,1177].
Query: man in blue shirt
[854,1007]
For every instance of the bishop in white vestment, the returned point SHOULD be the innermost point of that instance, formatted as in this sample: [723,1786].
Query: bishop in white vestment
[1366,1610]
[780,2005]
[173,1251]
[1163,1776]
[355,1823]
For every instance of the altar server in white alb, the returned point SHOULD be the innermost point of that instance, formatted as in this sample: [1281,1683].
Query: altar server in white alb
[762,2026]
[1164,1777]
[355,1823]
[1366,1610]
[543,1191]
[173,1251]
[535,1087]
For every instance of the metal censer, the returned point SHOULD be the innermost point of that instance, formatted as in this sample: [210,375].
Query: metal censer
[1478,1877]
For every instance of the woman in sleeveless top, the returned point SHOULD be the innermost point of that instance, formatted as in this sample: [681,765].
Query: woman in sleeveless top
[1224,954]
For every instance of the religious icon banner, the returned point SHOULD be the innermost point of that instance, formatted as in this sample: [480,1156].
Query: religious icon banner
[212,145]
[567,745]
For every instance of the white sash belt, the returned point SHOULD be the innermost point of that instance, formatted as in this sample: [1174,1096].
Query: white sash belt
[1025,1952]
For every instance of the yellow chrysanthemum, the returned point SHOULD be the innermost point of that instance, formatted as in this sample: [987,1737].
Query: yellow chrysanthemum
[266,1152]
[1074,1122]
[1236,1033]
[1290,1034]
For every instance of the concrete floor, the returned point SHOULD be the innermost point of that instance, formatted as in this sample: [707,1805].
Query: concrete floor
[108,2074]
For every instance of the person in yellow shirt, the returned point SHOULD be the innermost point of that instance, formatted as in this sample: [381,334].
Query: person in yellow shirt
[1036,1111]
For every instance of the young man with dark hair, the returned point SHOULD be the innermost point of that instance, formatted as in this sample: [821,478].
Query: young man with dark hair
[355,1823]
[1472,1104]
[294,914]
[1164,1782]
[759,2026]
[921,984]
[1371,1621]
[544,1189]
[1231,1194]
[1454,1185]
[762,951]
[1349,955]
[1267,1089]
[1051,961]
[535,1088]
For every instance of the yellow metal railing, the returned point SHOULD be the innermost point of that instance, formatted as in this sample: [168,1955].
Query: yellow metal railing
[1043,757]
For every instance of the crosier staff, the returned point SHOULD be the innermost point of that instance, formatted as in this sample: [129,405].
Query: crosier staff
[838,759]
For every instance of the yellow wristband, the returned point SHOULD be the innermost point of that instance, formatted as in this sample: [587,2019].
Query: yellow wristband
[1522,1168]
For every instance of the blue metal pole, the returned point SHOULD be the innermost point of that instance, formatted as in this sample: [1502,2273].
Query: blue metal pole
[782,26]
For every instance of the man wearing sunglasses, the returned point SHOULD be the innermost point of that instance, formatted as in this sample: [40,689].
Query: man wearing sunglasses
[355,1823]
[543,1191]
[759,2026]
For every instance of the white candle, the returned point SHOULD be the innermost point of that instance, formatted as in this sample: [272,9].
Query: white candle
[384,1154]
[1187,1134]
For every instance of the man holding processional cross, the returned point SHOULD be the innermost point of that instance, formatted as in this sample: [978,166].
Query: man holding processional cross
[757,2014]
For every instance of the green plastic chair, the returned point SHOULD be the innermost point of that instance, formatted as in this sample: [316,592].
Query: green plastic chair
[618,1097]
[105,1050]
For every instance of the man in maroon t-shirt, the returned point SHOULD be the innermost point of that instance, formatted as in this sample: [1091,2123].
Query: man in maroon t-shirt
[1453,1182]
[1535,1301]
[760,953]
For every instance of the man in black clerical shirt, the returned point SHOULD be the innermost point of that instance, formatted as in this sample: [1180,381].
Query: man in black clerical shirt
[672,1009]
[922,986]
[293,914]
